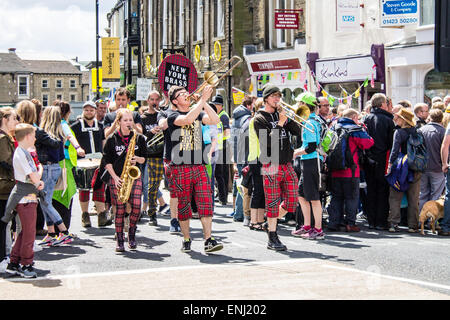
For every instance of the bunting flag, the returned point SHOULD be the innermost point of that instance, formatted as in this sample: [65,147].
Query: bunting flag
[250,89]
[302,76]
[295,75]
[306,85]
[289,76]
[324,93]
[357,92]
[331,100]
[366,82]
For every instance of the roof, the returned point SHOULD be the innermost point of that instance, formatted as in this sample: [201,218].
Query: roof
[11,63]
[51,67]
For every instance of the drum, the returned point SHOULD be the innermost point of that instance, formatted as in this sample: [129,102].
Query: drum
[84,172]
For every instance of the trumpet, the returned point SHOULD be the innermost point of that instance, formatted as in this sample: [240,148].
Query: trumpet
[211,77]
[297,114]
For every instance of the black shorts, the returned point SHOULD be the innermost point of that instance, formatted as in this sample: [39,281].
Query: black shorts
[308,185]
[258,200]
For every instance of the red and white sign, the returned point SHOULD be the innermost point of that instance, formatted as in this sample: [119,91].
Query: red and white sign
[275,65]
[287,19]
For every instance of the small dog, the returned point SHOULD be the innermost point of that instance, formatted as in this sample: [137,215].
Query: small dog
[433,210]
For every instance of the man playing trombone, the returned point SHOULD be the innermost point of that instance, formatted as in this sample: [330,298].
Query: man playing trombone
[155,144]
[274,130]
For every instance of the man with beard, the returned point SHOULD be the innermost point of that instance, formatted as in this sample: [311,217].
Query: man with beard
[90,135]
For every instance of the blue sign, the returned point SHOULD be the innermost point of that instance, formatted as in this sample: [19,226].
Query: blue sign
[400,7]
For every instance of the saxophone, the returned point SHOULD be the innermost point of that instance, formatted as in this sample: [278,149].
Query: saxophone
[129,172]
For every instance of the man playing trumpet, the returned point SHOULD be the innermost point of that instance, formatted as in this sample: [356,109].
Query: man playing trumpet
[274,130]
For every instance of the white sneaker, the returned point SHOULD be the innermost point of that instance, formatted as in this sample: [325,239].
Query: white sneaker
[246,221]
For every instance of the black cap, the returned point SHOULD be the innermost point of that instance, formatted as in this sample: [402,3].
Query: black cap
[270,89]
[217,99]
[213,106]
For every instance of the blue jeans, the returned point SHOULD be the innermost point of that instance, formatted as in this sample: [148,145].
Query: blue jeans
[239,205]
[445,223]
[50,176]
[344,202]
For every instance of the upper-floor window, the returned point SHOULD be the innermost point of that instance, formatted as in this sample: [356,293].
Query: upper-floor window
[73,83]
[427,12]
[59,97]
[150,27]
[72,97]
[281,34]
[23,86]
[165,22]
[198,20]
[45,100]
[219,18]
[180,21]
[44,83]
[59,83]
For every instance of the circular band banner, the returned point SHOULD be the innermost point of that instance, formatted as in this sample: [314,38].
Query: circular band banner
[177,70]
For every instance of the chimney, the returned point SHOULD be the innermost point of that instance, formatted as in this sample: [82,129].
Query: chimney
[12,50]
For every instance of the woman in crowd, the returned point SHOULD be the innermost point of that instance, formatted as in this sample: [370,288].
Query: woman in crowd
[50,157]
[8,121]
[63,199]
[114,156]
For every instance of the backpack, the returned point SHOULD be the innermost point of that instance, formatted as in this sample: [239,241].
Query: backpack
[328,139]
[340,157]
[400,176]
[417,152]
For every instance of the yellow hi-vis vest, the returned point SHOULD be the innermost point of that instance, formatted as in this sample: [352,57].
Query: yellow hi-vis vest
[253,142]
[220,136]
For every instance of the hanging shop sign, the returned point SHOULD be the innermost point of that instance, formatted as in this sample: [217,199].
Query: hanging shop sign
[396,13]
[177,70]
[344,70]
[287,19]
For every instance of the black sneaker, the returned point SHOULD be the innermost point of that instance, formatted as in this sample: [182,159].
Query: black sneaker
[212,245]
[28,272]
[275,243]
[163,208]
[13,269]
[153,221]
[186,246]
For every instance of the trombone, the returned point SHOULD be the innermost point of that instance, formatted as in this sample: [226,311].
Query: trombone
[211,77]
[155,139]
[297,114]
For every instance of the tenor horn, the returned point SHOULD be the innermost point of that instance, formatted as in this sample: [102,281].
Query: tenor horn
[297,114]
[211,77]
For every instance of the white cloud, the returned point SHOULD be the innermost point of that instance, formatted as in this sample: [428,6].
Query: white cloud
[43,27]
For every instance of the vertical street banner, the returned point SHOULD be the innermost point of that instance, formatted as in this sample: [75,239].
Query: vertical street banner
[94,79]
[110,59]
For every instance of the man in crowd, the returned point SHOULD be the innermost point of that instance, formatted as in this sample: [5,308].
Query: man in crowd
[381,128]
[222,172]
[102,109]
[324,109]
[421,111]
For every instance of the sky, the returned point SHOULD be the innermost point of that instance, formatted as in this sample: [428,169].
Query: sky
[52,28]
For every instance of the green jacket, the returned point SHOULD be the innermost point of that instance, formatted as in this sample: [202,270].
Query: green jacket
[7,181]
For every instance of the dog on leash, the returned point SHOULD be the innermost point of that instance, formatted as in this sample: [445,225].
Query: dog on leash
[433,210]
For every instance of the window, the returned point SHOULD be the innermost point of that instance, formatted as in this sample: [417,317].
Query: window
[427,12]
[198,20]
[180,23]
[150,26]
[59,97]
[165,21]
[44,83]
[219,18]
[23,85]
[281,34]
[73,83]
[59,83]
[73,97]
[45,100]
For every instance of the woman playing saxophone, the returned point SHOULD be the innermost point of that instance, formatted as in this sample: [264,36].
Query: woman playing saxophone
[122,151]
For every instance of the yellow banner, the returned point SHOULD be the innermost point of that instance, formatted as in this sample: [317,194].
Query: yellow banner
[94,79]
[111,58]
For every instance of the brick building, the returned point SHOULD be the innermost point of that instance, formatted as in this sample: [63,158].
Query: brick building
[15,79]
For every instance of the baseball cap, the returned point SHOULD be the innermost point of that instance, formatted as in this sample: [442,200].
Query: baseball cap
[307,97]
[90,104]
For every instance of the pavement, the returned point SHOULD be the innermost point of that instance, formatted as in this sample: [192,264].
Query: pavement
[365,265]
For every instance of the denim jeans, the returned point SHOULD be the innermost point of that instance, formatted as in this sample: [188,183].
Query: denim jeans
[344,202]
[445,223]
[50,176]
[239,205]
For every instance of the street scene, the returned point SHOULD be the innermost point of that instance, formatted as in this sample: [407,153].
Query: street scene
[225,151]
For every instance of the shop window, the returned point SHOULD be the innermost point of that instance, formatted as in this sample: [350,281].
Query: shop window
[436,84]
[427,12]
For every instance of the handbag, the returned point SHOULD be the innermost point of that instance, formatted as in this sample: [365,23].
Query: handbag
[61,184]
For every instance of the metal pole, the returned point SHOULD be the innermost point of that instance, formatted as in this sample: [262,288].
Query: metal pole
[230,10]
[97,49]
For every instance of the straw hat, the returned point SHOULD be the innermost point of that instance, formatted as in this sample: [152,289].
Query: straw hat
[407,115]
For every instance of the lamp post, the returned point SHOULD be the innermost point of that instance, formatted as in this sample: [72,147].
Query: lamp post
[97,49]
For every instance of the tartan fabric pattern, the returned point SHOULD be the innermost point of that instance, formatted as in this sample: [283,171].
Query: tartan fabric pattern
[182,61]
[134,201]
[280,187]
[97,195]
[169,177]
[155,175]
[192,181]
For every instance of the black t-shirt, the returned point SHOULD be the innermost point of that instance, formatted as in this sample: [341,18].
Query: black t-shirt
[187,141]
[116,148]
[83,134]
[149,121]
[110,117]
[164,114]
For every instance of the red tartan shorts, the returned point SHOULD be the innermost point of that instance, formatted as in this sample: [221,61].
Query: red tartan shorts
[169,177]
[97,195]
[280,187]
[192,181]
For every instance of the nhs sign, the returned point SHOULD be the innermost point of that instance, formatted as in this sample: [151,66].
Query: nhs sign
[348,16]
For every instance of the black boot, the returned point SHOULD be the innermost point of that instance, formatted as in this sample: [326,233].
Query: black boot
[132,238]
[275,243]
[120,242]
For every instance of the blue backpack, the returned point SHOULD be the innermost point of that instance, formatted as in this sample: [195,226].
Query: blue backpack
[416,151]
[400,176]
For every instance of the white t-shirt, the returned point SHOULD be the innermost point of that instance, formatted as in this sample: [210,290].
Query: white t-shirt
[23,164]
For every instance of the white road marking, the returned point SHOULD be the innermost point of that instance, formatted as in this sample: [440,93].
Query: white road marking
[423,283]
